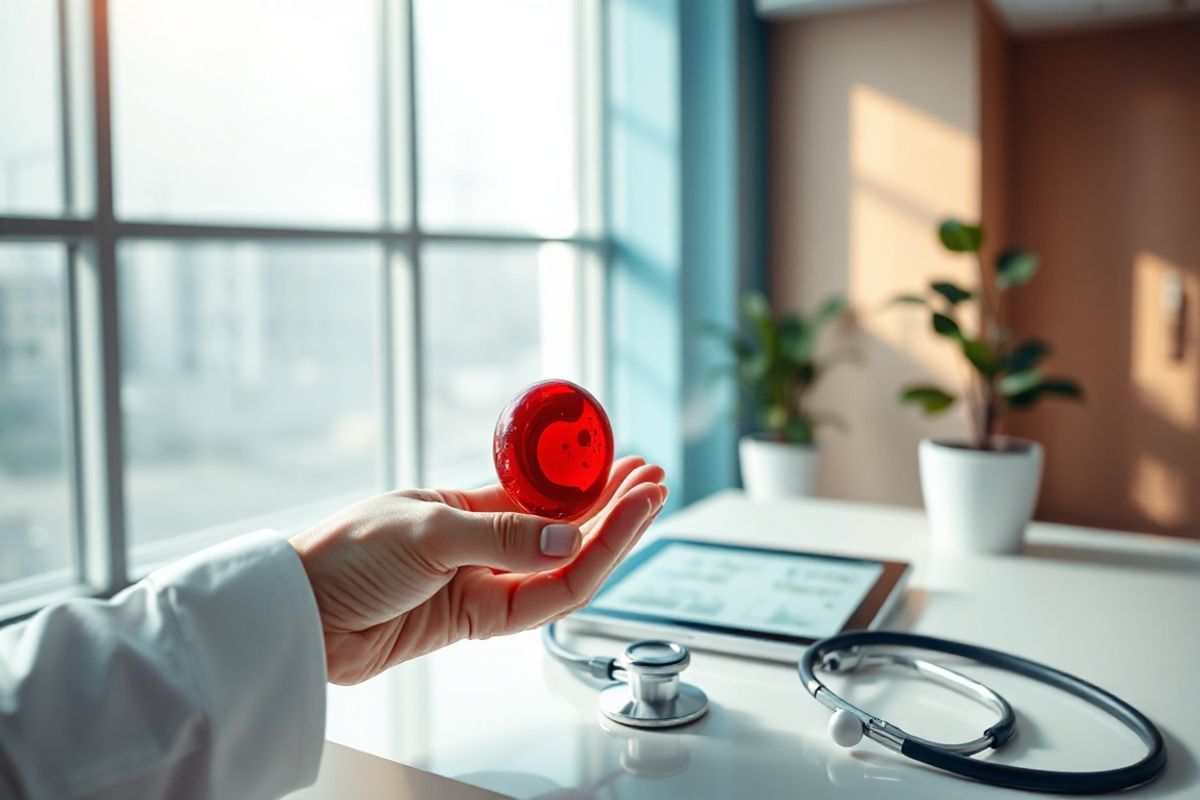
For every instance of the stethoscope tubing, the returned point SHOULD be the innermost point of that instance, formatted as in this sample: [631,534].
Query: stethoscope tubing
[1038,780]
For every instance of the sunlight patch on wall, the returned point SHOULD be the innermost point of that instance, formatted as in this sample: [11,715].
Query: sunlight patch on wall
[923,161]
[1160,491]
[909,170]
[1166,384]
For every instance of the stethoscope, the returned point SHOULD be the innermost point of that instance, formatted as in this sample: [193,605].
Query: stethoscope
[648,693]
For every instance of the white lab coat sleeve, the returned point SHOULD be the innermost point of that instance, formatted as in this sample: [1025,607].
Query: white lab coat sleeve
[206,679]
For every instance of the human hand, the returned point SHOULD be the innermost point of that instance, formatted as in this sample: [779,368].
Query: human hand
[404,573]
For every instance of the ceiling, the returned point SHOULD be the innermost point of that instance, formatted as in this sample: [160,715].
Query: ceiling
[1021,16]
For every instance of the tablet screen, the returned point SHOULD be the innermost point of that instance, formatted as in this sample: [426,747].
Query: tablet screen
[789,595]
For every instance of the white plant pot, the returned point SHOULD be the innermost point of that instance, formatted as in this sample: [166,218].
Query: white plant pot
[980,501]
[773,470]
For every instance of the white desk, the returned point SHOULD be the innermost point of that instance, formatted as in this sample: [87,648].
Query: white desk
[1117,609]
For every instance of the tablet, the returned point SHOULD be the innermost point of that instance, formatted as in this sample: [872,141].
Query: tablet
[741,600]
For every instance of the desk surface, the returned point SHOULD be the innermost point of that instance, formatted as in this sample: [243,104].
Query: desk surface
[1117,609]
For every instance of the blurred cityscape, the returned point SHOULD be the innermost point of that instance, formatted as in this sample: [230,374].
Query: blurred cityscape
[248,387]
[250,381]
[35,501]
[250,370]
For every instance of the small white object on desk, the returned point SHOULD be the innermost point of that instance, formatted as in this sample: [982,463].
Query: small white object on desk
[845,729]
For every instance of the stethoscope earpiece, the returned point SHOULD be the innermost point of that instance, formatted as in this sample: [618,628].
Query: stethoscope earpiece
[845,729]
[648,693]
[849,724]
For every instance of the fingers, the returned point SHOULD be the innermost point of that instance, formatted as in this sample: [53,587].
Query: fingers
[617,476]
[485,498]
[494,498]
[540,597]
[482,527]
[644,473]
[505,540]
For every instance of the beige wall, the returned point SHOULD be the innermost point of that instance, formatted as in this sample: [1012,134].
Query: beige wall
[994,93]
[874,137]
[1105,185]
[1084,148]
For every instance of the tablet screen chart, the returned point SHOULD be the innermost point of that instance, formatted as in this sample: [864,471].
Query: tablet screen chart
[789,594]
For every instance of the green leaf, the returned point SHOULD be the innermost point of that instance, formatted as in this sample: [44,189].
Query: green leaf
[754,368]
[953,293]
[795,339]
[979,353]
[908,299]
[1060,387]
[1019,382]
[1024,400]
[931,399]
[958,237]
[1026,355]
[757,310]
[946,326]
[774,418]
[1015,267]
[798,430]
[828,311]
[806,373]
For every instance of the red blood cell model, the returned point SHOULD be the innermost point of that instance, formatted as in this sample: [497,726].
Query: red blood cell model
[553,449]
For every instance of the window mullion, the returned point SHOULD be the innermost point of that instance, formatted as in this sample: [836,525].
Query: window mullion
[409,303]
[64,109]
[105,558]
[385,362]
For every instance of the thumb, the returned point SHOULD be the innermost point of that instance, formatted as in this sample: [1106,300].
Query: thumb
[503,540]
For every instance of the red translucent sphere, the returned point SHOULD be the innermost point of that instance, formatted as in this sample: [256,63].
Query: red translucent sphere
[553,449]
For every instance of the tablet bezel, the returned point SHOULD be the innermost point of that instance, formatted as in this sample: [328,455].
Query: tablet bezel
[869,610]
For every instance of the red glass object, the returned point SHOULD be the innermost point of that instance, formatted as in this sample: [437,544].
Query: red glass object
[553,449]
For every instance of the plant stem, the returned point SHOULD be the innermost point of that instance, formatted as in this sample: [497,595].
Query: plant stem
[989,414]
[974,406]
[989,327]
[987,311]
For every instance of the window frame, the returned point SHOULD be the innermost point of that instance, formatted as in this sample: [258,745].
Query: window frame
[96,467]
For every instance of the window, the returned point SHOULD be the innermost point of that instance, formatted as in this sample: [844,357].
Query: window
[248,384]
[36,506]
[275,257]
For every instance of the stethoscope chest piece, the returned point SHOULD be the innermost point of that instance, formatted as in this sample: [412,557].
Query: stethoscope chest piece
[651,694]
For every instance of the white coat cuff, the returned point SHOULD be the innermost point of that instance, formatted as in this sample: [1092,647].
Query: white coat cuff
[246,614]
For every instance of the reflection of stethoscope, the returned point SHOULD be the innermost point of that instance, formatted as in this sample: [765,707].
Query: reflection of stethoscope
[649,694]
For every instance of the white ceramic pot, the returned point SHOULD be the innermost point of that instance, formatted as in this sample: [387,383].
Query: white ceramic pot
[773,469]
[980,501]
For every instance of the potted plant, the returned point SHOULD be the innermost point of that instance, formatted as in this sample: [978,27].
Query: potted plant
[775,366]
[980,494]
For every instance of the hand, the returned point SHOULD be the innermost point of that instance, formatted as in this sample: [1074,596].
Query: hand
[404,573]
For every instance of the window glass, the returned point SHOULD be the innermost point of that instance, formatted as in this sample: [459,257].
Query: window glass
[250,370]
[495,319]
[249,385]
[263,112]
[30,122]
[500,147]
[36,529]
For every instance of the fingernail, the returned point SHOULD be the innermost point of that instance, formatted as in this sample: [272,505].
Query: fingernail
[559,540]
